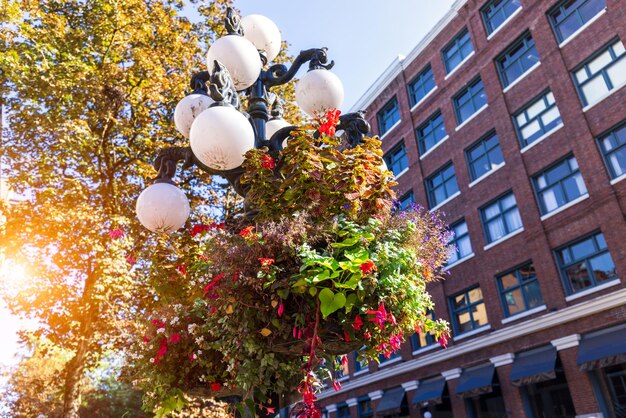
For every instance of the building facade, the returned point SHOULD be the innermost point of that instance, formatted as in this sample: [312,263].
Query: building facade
[510,118]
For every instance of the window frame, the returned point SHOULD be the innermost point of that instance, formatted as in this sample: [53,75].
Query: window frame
[419,81]
[393,151]
[518,129]
[455,44]
[611,134]
[409,194]
[358,367]
[528,42]
[467,89]
[602,72]
[360,412]
[484,221]
[388,107]
[559,8]
[468,307]
[481,141]
[598,251]
[520,285]
[421,143]
[455,238]
[571,173]
[489,28]
[430,189]
[342,407]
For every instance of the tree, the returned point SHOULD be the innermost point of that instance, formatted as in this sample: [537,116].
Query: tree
[90,88]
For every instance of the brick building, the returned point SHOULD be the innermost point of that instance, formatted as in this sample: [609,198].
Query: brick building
[510,117]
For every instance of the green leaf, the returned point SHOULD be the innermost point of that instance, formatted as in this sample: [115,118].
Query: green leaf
[350,301]
[330,302]
[313,291]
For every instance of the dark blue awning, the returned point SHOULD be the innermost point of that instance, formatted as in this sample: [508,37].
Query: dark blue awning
[602,349]
[391,402]
[430,391]
[534,366]
[476,381]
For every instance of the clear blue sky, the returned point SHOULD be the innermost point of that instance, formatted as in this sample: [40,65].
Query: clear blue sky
[363,37]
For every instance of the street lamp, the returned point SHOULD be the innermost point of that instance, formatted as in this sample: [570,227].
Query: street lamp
[220,133]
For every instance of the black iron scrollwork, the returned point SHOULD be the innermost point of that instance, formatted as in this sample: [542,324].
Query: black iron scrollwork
[279,74]
[355,126]
[198,82]
[222,89]
[232,22]
[319,60]
[167,160]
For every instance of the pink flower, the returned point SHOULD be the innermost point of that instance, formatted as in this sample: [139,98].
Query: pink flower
[270,410]
[443,340]
[131,260]
[367,335]
[117,233]
[336,385]
[281,309]
[368,267]
[174,338]
[344,360]
[358,323]
[380,316]
[395,341]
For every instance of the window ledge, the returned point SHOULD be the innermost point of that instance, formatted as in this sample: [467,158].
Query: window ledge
[607,94]
[459,65]
[582,28]
[470,333]
[420,101]
[618,179]
[523,314]
[395,125]
[422,350]
[504,238]
[565,206]
[541,138]
[466,121]
[487,174]
[401,173]
[592,290]
[445,201]
[360,372]
[343,378]
[389,362]
[434,147]
[521,77]
[503,24]
[459,261]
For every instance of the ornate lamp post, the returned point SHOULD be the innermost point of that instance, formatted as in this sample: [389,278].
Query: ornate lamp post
[220,132]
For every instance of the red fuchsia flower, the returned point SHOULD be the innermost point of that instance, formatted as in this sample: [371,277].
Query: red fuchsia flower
[236,276]
[146,339]
[213,310]
[182,269]
[346,336]
[391,319]
[395,341]
[367,335]
[295,332]
[385,350]
[174,338]
[266,262]
[131,260]
[161,352]
[443,340]
[198,229]
[247,231]
[380,316]
[192,357]
[268,162]
[368,267]
[330,126]
[216,386]
[344,360]
[336,385]
[208,289]
[158,323]
[358,323]
[116,233]
[270,410]
[281,309]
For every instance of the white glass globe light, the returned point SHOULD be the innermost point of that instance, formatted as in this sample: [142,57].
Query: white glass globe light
[239,56]
[263,33]
[162,207]
[274,125]
[220,136]
[319,91]
[187,110]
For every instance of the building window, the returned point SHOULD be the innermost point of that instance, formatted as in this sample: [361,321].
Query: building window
[423,339]
[406,200]
[517,59]
[558,185]
[586,263]
[421,85]
[430,133]
[343,411]
[550,397]
[496,12]
[570,15]
[388,116]
[459,245]
[537,118]
[614,379]
[441,185]
[484,156]
[392,355]
[468,310]
[397,160]
[500,218]
[341,368]
[519,290]
[359,362]
[603,73]
[457,50]
[365,408]
[613,147]
[469,100]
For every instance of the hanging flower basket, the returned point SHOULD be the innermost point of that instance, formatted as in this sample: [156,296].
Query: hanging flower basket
[327,265]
